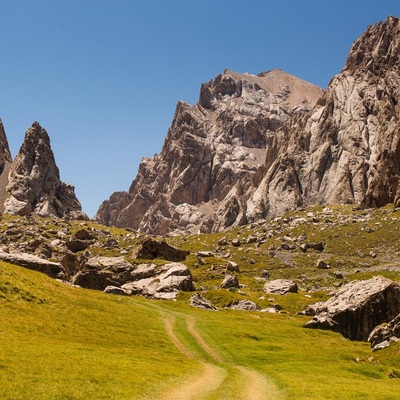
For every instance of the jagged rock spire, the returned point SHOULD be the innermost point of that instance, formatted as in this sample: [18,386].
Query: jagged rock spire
[34,181]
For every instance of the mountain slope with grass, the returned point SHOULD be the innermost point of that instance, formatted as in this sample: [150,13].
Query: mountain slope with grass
[59,341]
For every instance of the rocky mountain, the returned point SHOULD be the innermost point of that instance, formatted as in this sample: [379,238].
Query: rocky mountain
[347,149]
[5,162]
[257,146]
[34,185]
[213,157]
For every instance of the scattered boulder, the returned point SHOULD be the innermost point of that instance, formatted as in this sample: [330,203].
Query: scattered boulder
[205,254]
[84,234]
[197,300]
[321,264]
[76,245]
[236,242]
[151,248]
[383,334]
[281,286]
[319,246]
[357,308]
[232,266]
[166,282]
[230,281]
[243,305]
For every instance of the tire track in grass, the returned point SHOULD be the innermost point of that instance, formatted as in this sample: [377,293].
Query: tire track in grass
[201,385]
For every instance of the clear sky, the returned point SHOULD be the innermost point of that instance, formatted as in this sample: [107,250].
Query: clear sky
[103,76]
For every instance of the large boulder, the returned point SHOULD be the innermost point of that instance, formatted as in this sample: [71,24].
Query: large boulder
[33,262]
[357,308]
[100,272]
[152,248]
[165,283]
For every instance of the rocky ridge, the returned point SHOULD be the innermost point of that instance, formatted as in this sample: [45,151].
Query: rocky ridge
[252,141]
[213,156]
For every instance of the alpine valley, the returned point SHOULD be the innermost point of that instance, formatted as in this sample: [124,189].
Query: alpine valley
[257,256]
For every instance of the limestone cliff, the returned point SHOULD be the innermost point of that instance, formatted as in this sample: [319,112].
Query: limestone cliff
[34,185]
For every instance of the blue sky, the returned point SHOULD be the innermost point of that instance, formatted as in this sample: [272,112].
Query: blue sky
[103,77]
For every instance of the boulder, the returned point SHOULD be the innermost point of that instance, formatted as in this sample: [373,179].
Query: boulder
[197,300]
[84,234]
[243,305]
[100,272]
[152,248]
[385,333]
[35,263]
[115,290]
[281,286]
[76,245]
[357,308]
[166,282]
[230,281]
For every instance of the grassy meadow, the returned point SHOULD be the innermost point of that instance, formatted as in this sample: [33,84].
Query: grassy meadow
[61,342]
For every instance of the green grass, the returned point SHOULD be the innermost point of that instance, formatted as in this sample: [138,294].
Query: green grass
[60,342]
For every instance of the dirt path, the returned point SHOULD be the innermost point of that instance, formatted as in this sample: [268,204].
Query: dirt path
[253,385]
[257,387]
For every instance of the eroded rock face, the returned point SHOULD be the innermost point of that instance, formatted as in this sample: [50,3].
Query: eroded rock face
[357,308]
[258,146]
[213,157]
[34,185]
[5,163]
[383,334]
[347,149]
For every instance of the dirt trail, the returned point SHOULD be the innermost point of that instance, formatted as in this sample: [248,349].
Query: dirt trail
[254,386]
[257,387]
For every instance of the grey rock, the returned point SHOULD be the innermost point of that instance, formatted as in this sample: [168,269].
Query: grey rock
[32,262]
[152,248]
[243,305]
[281,286]
[166,283]
[116,290]
[230,281]
[385,333]
[357,308]
[198,301]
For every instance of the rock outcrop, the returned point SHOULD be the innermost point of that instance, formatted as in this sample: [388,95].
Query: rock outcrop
[357,308]
[34,185]
[257,146]
[5,163]
[384,334]
[347,149]
[213,157]
[152,248]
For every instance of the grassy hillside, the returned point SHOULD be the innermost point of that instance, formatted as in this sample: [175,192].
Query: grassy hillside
[60,342]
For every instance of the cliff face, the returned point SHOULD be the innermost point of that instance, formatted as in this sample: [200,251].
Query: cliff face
[34,185]
[348,149]
[213,157]
[5,162]
[257,146]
